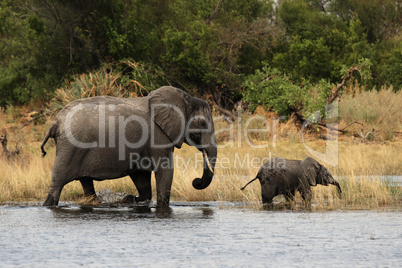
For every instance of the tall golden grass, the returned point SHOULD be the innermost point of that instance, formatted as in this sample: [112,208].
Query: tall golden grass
[361,166]
[359,171]
[378,113]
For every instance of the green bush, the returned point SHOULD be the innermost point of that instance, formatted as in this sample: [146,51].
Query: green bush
[393,67]
[277,92]
[274,90]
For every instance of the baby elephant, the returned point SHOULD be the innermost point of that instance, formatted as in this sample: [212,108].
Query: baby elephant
[282,176]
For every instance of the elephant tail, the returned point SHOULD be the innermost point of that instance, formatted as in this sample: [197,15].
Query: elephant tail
[49,134]
[248,183]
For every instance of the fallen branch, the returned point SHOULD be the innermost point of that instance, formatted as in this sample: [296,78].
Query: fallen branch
[331,128]
[225,112]
[42,114]
[233,117]
[343,130]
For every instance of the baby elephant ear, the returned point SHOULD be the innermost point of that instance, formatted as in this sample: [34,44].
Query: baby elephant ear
[168,110]
[310,169]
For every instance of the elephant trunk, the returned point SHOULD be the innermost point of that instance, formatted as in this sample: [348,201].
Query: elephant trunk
[209,155]
[338,187]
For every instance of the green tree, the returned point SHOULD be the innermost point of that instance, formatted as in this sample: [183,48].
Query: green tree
[206,47]
[28,62]
[381,19]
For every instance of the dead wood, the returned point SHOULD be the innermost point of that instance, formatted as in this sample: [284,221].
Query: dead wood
[42,113]
[233,117]
[335,90]
[7,153]
[343,130]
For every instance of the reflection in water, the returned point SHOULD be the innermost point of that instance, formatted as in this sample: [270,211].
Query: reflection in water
[207,212]
[100,212]
[287,206]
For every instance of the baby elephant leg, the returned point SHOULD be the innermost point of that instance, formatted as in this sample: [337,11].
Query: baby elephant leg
[289,195]
[306,195]
[268,192]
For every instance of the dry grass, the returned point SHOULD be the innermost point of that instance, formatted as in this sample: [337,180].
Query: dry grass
[365,190]
[359,177]
[108,80]
[379,113]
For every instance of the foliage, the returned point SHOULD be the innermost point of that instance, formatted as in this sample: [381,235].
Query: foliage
[380,19]
[185,51]
[363,68]
[44,43]
[393,67]
[274,90]
[207,58]
[27,69]
[326,35]
[278,92]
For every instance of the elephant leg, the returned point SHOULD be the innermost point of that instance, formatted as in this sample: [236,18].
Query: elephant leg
[306,195]
[289,195]
[268,193]
[54,193]
[60,177]
[142,181]
[88,186]
[164,177]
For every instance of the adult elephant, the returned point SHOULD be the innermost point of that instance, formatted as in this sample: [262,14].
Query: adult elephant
[283,176]
[105,137]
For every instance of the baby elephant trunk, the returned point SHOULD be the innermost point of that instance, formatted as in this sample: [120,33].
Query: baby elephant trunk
[327,178]
[338,187]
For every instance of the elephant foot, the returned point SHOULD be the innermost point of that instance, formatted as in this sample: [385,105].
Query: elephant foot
[50,202]
[137,200]
[128,199]
[268,206]
[144,203]
[141,201]
[91,199]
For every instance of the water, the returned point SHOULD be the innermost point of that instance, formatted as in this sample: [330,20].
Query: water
[197,235]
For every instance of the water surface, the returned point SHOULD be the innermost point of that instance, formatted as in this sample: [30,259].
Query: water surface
[196,235]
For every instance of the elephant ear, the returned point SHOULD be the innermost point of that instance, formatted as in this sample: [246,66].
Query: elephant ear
[310,168]
[168,110]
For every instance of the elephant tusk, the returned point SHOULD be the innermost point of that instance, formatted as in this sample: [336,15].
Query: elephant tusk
[204,152]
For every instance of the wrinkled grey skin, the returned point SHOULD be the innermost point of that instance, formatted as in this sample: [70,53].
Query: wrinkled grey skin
[104,162]
[282,176]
